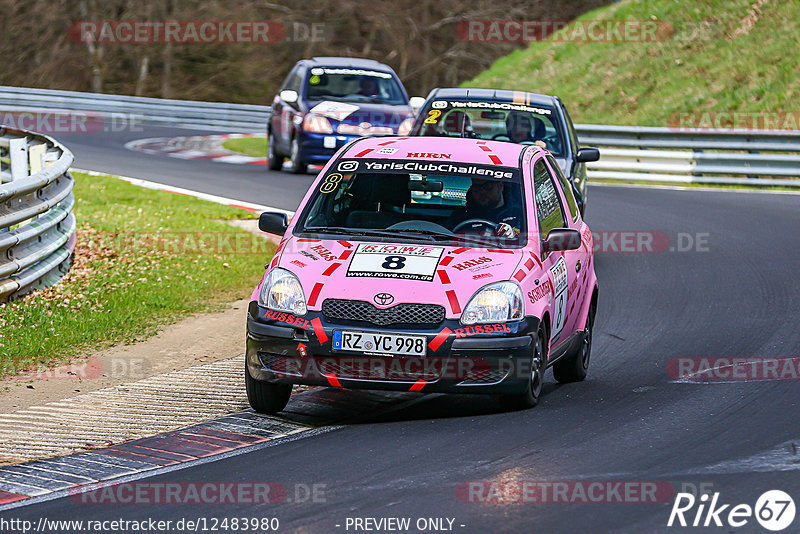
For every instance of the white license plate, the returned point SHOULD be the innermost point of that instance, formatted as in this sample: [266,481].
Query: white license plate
[379,343]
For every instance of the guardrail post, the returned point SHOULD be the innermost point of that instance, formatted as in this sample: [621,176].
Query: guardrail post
[36,157]
[18,155]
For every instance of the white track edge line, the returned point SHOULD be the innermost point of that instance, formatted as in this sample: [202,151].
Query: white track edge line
[180,190]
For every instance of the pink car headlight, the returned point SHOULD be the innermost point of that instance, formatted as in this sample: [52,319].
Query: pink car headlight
[281,291]
[496,303]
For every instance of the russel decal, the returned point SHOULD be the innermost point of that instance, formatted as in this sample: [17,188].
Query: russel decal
[560,287]
[406,262]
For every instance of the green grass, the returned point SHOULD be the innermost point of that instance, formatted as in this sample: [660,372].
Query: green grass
[144,259]
[712,62]
[249,146]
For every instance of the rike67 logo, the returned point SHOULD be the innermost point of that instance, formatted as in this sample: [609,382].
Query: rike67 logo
[774,510]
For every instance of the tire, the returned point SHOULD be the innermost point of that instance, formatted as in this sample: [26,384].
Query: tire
[265,397]
[274,160]
[530,397]
[575,367]
[296,165]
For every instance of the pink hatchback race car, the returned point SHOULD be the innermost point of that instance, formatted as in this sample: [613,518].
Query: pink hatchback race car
[426,264]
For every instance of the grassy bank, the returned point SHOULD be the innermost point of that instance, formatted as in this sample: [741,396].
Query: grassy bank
[144,259]
[731,55]
[249,146]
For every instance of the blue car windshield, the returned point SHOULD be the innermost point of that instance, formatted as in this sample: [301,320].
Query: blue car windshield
[353,85]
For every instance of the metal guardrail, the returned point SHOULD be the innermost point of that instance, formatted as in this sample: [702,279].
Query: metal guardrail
[37,226]
[732,157]
[158,111]
[629,152]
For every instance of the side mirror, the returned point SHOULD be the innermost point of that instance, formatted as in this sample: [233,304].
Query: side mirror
[416,103]
[588,153]
[562,239]
[273,223]
[288,96]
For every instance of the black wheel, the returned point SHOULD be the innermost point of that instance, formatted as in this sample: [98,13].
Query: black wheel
[575,366]
[530,397]
[274,160]
[265,397]
[296,165]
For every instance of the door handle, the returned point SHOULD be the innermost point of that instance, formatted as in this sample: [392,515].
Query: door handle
[578,266]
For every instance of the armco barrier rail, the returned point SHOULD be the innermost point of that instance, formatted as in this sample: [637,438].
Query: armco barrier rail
[178,113]
[37,226]
[628,152]
[710,156]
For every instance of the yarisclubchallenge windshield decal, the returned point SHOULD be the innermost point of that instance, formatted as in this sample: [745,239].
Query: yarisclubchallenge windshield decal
[496,172]
[479,104]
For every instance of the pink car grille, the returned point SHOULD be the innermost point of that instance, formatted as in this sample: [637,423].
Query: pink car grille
[358,310]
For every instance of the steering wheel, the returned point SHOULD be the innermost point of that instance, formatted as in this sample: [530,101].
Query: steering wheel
[491,226]
[498,136]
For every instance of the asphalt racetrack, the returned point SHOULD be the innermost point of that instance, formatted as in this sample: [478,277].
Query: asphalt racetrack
[727,289]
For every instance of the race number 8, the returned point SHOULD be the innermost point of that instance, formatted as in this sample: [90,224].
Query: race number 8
[394,262]
[330,183]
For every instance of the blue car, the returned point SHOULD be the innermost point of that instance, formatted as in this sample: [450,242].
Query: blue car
[326,102]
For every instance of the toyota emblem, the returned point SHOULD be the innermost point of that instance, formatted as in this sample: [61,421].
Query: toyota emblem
[383,299]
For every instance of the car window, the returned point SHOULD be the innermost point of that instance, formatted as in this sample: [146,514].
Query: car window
[353,85]
[548,206]
[566,187]
[296,80]
[489,119]
[572,135]
[481,203]
[285,84]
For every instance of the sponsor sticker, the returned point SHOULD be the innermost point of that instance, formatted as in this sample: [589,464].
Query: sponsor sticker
[334,110]
[350,72]
[560,284]
[406,262]
[508,106]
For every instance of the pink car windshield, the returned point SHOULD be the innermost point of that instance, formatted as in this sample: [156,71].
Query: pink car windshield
[451,202]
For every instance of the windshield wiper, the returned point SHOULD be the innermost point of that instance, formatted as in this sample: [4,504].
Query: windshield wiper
[433,234]
[444,235]
[350,231]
